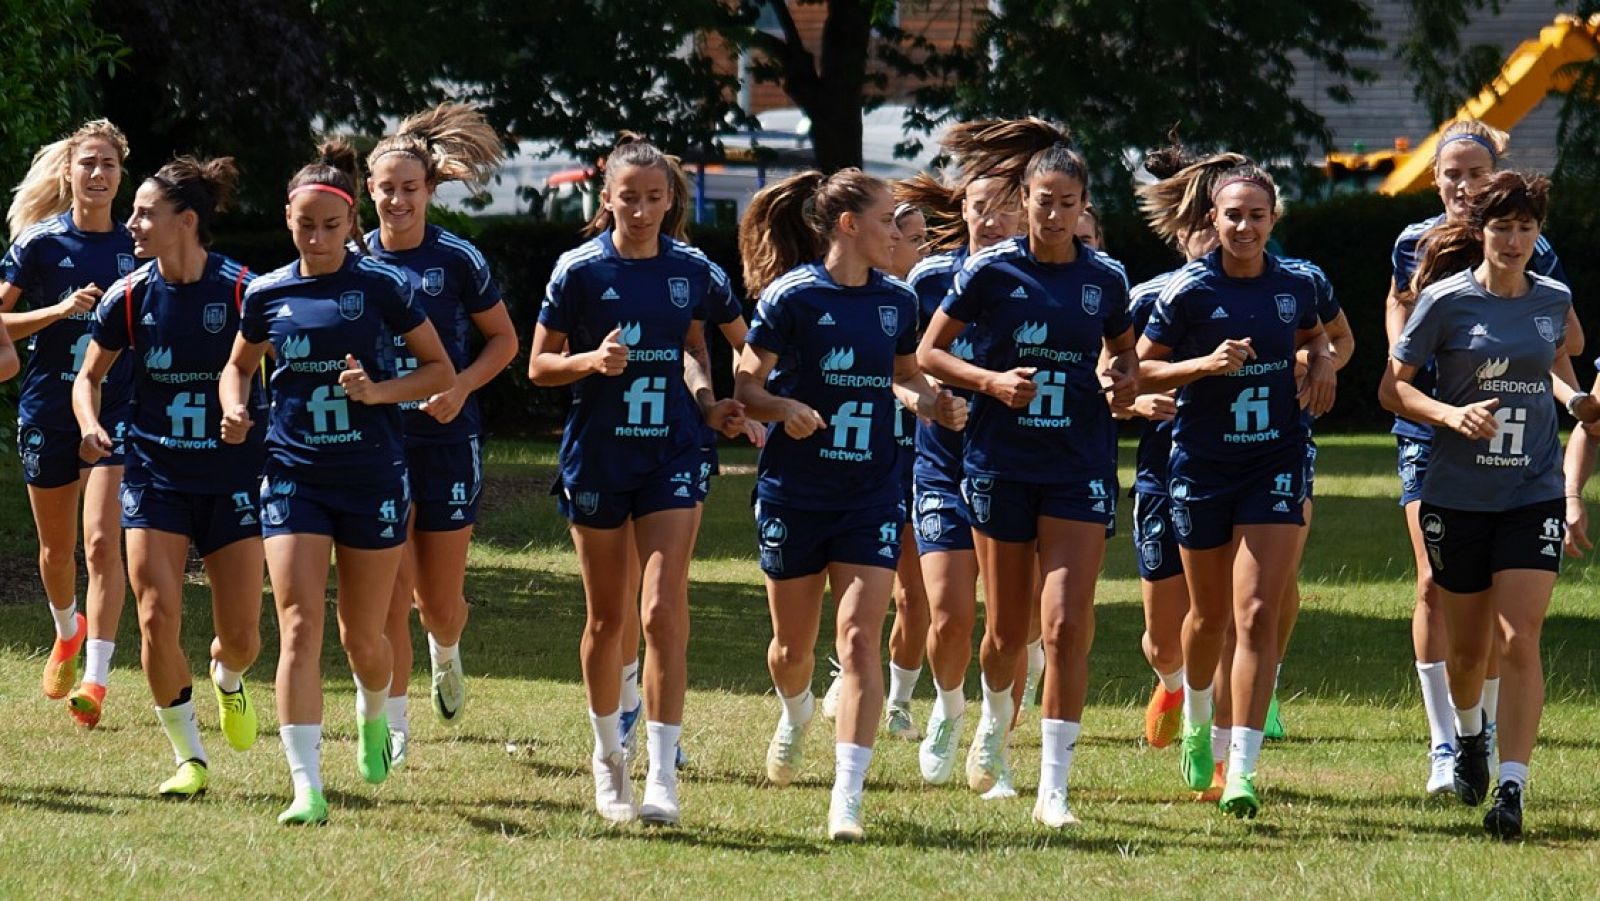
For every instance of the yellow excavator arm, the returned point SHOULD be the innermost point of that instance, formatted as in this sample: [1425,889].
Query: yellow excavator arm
[1531,72]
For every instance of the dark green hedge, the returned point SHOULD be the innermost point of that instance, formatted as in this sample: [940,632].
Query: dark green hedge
[1349,236]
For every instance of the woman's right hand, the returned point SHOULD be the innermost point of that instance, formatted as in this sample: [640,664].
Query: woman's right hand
[79,301]
[96,446]
[800,421]
[236,425]
[611,357]
[1475,421]
[1230,356]
[1155,407]
[1015,388]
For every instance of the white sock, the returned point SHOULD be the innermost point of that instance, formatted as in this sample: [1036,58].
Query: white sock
[997,706]
[397,708]
[1514,772]
[797,711]
[1436,701]
[1491,701]
[850,764]
[607,734]
[1244,750]
[950,704]
[1469,721]
[1035,663]
[97,660]
[902,682]
[1220,737]
[1058,740]
[1197,706]
[630,687]
[302,744]
[226,679]
[1172,681]
[441,655]
[661,743]
[370,702]
[1277,676]
[183,730]
[66,619]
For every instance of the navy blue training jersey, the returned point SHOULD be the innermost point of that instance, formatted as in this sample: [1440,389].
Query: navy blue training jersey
[1253,412]
[1155,441]
[719,308]
[1054,317]
[451,280]
[50,261]
[1328,308]
[938,448]
[623,428]
[1406,257]
[836,348]
[180,340]
[313,322]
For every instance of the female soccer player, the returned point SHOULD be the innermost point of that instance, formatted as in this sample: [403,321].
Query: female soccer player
[334,482]
[66,249]
[1040,460]
[829,353]
[1236,474]
[1089,230]
[1492,513]
[177,317]
[616,318]
[1466,156]
[444,453]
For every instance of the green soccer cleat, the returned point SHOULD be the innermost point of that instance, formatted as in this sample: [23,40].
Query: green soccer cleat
[238,717]
[309,808]
[1194,756]
[1239,798]
[188,782]
[1273,730]
[372,749]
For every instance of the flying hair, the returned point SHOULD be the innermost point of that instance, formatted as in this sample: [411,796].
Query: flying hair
[633,150]
[1450,247]
[1180,203]
[792,221]
[46,189]
[205,186]
[452,141]
[1014,149]
[940,205]
[335,166]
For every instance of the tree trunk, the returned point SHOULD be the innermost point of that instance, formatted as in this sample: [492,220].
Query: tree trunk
[836,112]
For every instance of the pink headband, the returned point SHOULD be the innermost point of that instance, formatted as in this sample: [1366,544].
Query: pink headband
[1256,180]
[326,189]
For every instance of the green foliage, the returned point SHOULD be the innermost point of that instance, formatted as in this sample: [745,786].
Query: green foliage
[1446,73]
[53,52]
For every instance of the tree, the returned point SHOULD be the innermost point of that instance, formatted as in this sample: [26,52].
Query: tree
[53,54]
[1122,74]
[1445,72]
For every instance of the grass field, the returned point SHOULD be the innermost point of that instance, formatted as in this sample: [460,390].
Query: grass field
[501,805]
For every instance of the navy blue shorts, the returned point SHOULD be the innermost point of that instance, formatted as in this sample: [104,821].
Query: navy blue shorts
[1208,501]
[50,456]
[1007,510]
[682,485]
[366,517]
[1311,469]
[795,543]
[1413,465]
[210,521]
[1154,540]
[940,517]
[1467,547]
[446,481]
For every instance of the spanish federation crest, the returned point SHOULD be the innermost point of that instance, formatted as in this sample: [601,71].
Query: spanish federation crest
[1286,307]
[352,304]
[1091,299]
[678,290]
[214,316]
[1546,327]
[433,281]
[889,318]
[125,263]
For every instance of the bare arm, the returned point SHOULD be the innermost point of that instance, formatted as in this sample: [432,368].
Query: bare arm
[24,324]
[551,366]
[499,347]
[233,388]
[750,388]
[97,361]
[1014,388]
[1399,395]
[434,372]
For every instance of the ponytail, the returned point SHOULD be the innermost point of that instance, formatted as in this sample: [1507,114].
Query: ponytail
[940,205]
[452,141]
[46,190]
[633,150]
[792,221]
[205,186]
[1015,149]
[335,167]
[1180,203]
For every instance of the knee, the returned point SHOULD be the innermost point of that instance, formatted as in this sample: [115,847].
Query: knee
[858,652]
[53,558]
[1208,622]
[102,549]
[1065,630]
[241,641]
[786,656]
[1427,592]
[363,645]
[299,634]
[663,626]
[1521,647]
[603,627]
[953,625]
[157,621]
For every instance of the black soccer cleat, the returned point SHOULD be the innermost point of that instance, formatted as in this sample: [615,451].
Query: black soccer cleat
[1504,819]
[1472,768]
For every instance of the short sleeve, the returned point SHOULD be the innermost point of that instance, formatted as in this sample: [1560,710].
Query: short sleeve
[562,301]
[481,293]
[1310,313]
[1400,262]
[1547,263]
[965,302]
[1168,324]
[905,343]
[1328,308]
[1117,319]
[253,316]
[110,327]
[401,312]
[14,265]
[1420,339]
[772,327]
[719,306]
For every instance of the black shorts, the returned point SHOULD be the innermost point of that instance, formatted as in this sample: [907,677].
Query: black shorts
[1467,547]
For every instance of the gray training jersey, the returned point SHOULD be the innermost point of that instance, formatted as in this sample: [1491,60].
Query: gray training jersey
[1492,347]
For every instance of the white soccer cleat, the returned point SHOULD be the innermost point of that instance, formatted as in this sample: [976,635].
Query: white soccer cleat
[399,744]
[830,701]
[450,691]
[898,723]
[785,752]
[613,793]
[936,756]
[986,759]
[844,817]
[1441,770]
[1051,810]
[660,806]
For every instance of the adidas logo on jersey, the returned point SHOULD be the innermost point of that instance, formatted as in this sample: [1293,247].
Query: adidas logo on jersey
[148,320]
[827,319]
[1219,313]
[610,294]
[284,312]
[683,491]
[886,551]
[247,520]
[1020,293]
[1099,506]
[457,516]
[388,532]
[66,263]
[1281,507]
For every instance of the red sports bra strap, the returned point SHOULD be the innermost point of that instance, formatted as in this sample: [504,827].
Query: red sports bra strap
[238,289]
